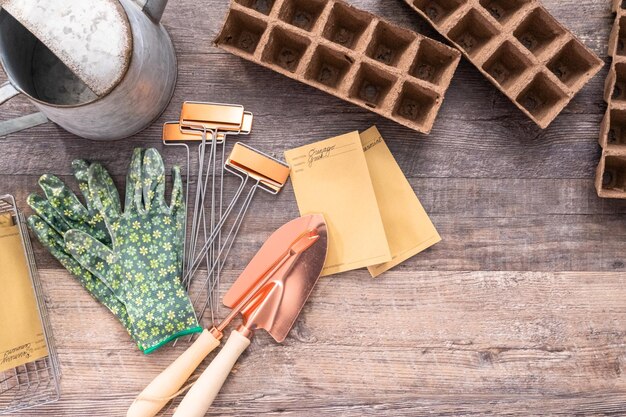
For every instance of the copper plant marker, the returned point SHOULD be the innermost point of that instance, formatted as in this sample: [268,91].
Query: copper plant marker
[256,170]
[208,124]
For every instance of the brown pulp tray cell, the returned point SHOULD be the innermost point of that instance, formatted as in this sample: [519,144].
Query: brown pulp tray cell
[611,173]
[347,52]
[519,47]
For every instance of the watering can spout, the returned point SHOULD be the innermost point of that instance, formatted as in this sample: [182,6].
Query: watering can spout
[153,8]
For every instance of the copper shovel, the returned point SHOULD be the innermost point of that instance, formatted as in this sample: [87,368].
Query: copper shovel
[269,294]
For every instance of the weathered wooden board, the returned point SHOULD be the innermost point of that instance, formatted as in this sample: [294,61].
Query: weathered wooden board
[486,322]
[411,343]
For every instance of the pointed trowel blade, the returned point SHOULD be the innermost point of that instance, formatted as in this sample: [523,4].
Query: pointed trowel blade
[277,303]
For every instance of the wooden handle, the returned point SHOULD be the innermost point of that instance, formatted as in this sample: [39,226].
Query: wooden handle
[201,395]
[154,397]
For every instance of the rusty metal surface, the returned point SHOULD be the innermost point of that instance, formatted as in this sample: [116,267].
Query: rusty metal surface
[92,38]
[133,104]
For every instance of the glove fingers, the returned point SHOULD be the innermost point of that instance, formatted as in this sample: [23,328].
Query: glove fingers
[96,258]
[46,213]
[177,210]
[81,170]
[55,244]
[111,190]
[62,199]
[132,203]
[81,173]
[104,194]
[177,202]
[153,180]
[51,240]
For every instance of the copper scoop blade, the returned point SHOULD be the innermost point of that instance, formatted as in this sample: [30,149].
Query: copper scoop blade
[287,266]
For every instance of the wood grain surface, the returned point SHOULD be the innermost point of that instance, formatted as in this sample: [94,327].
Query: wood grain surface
[520,310]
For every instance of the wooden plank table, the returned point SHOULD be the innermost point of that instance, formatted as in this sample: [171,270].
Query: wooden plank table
[521,310]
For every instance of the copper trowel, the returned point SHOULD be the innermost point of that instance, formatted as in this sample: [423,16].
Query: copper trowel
[269,294]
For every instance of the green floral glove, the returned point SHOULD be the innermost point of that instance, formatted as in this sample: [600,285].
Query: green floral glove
[61,211]
[143,267]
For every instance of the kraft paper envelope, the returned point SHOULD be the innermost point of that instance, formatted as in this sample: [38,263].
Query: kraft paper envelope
[409,230]
[21,335]
[331,177]
[6,219]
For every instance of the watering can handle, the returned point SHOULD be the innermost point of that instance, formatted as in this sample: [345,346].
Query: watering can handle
[7,92]
[153,8]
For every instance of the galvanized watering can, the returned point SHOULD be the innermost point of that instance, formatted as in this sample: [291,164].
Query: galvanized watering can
[101,69]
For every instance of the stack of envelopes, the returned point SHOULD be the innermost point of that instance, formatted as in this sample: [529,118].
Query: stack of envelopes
[374,218]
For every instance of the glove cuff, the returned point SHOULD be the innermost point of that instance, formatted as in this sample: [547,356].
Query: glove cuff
[191,330]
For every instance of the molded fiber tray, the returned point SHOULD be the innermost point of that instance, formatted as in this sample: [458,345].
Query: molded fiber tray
[611,172]
[346,52]
[519,47]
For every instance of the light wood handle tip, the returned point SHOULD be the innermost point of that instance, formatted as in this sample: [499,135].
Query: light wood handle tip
[154,397]
[205,389]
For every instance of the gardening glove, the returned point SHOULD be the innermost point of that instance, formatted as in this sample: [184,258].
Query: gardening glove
[61,211]
[144,265]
